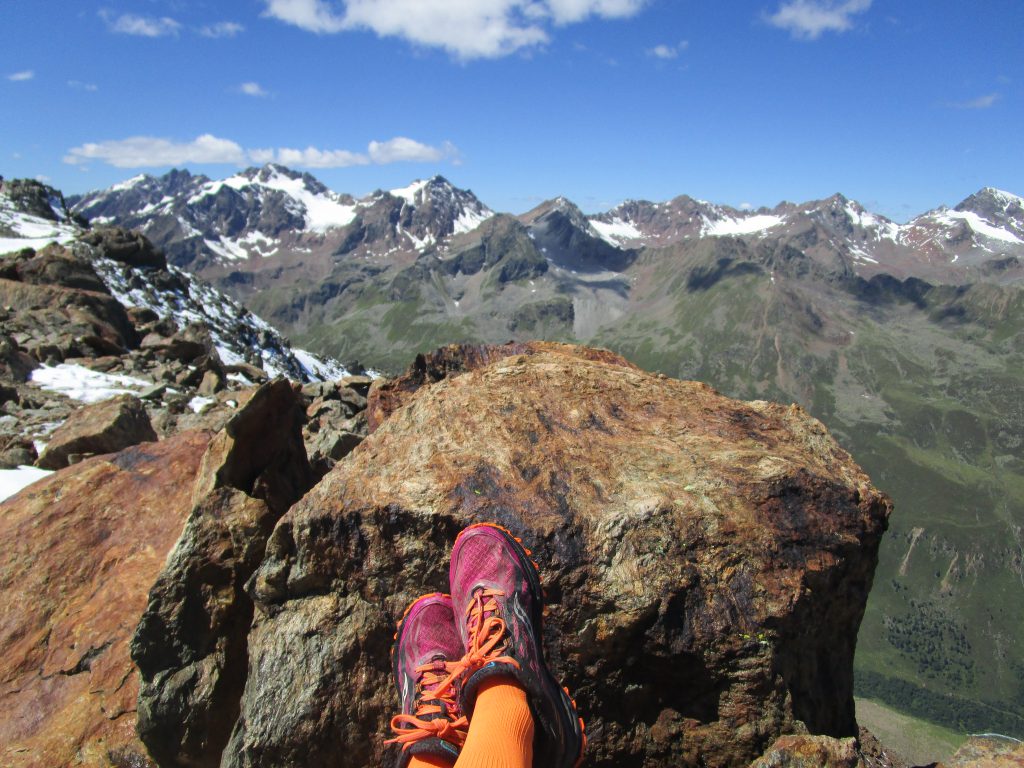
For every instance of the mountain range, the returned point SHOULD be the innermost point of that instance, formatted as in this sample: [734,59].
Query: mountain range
[906,340]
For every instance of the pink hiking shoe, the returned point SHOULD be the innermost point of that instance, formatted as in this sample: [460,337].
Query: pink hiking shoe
[499,604]
[426,647]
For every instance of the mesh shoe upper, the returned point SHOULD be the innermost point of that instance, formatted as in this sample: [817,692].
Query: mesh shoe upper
[426,646]
[498,609]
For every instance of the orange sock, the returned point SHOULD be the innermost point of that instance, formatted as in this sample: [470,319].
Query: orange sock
[429,761]
[501,732]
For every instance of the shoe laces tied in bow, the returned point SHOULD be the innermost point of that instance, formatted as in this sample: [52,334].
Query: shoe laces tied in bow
[435,699]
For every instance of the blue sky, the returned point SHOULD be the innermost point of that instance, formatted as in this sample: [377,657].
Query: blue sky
[901,105]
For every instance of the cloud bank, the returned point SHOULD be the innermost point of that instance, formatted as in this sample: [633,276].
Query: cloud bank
[155,152]
[468,29]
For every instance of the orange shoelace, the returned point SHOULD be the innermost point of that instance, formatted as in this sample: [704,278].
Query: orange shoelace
[486,631]
[435,697]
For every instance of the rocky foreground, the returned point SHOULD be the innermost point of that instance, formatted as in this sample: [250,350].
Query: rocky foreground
[707,563]
[210,599]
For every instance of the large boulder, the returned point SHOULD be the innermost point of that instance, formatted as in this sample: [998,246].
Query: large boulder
[90,317]
[80,551]
[706,562]
[104,427]
[126,246]
[190,645]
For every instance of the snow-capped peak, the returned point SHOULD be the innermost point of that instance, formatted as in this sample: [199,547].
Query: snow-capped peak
[412,193]
[459,206]
[1007,198]
[129,183]
[320,208]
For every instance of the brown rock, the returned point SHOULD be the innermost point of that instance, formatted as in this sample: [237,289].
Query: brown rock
[706,561]
[360,384]
[385,396]
[81,549]
[876,754]
[212,383]
[17,451]
[125,245]
[251,372]
[811,752]
[99,312]
[352,400]
[989,752]
[191,643]
[15,365]
[104,427]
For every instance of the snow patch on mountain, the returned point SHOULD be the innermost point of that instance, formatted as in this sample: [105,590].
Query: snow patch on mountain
[881,228]
[978,225]
[238,334]
[1006,198]
[748,225]
[411,192]
[13,480]
[616,232]
[470,219]
[84,384]
[23,230]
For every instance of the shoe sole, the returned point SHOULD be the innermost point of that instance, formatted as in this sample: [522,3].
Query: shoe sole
[533,576]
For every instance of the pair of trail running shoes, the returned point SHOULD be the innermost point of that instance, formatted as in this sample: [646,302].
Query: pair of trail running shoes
[490,626]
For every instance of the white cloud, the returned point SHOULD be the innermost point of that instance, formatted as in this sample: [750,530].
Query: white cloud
[43,178]
[79,85]
[982,102]
[808,19]
[149,151]
[668,51]
[146,151]
[252,89]
[222,29]
[468,29]
[141,26]
[746,207]
[311,15]
[571,11]
[403,150]
[311,157]
[18,77]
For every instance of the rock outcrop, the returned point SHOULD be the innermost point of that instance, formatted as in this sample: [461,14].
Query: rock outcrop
[706,563]
[80,551]
[190,645]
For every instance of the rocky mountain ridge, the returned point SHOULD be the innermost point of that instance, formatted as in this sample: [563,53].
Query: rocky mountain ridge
[262,212]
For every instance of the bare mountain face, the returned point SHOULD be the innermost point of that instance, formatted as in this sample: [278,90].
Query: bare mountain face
[907,340]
